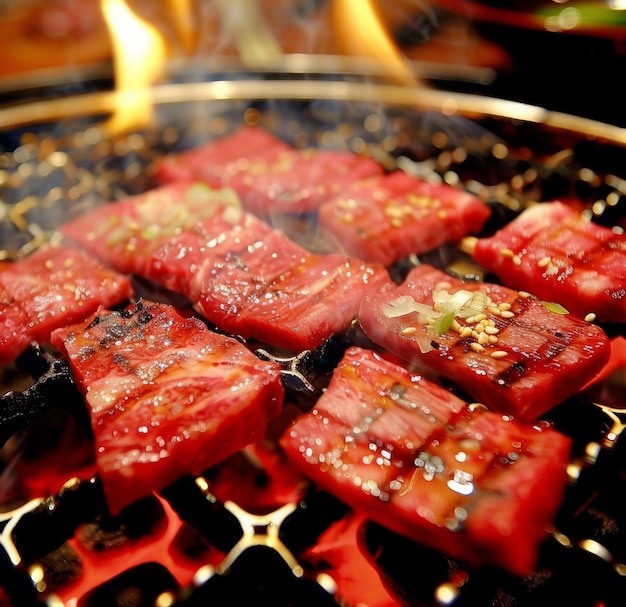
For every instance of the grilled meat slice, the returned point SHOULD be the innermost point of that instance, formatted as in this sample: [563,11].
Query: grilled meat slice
[408,454]
[555,253]
[53,287]
[167,397]
[386,218]
[504,348]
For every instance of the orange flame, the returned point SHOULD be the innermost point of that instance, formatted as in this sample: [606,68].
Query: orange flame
[139,53]
[362,32]
[140,48]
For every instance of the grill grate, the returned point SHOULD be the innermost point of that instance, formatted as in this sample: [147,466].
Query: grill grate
[48,176]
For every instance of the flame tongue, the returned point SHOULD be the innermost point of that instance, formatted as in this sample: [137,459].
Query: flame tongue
[362,33]
[139,53]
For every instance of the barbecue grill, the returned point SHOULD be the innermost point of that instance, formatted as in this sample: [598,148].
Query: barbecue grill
[246,531]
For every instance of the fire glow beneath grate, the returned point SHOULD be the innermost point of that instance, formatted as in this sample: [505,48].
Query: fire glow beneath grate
[188,538]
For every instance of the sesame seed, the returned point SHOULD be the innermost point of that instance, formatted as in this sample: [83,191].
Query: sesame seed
[483,339]
[466,332]
[499,354]
[394,211]
[343,204]
[544,261]
[421,201]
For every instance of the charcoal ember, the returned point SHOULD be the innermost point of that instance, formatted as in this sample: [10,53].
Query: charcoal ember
[581,420]
[190,544]
[410,571]
[60,568]
[600,528]
[260,577]
[315,513]
[562,578]
[141,519]
[55,520]
[205,513]
[306,374]
[139,586]
[420,577]
[54,388]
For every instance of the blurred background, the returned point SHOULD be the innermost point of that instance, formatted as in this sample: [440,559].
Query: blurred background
[560,54]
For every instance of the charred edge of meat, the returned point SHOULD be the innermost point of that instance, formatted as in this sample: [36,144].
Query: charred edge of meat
[139,313]
[54,386]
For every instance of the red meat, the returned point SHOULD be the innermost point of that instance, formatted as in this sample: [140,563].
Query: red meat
[296,308]
[51,288]
[269,175]
[124,233]
[555,253]
[226,155]
[506,349]
[16,334]
[242,275]
[408,454]
[167,396]
[385,218]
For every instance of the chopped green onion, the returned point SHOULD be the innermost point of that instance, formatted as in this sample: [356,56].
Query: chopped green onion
[403,305]
[554,307]
[476,305]
[439,323]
